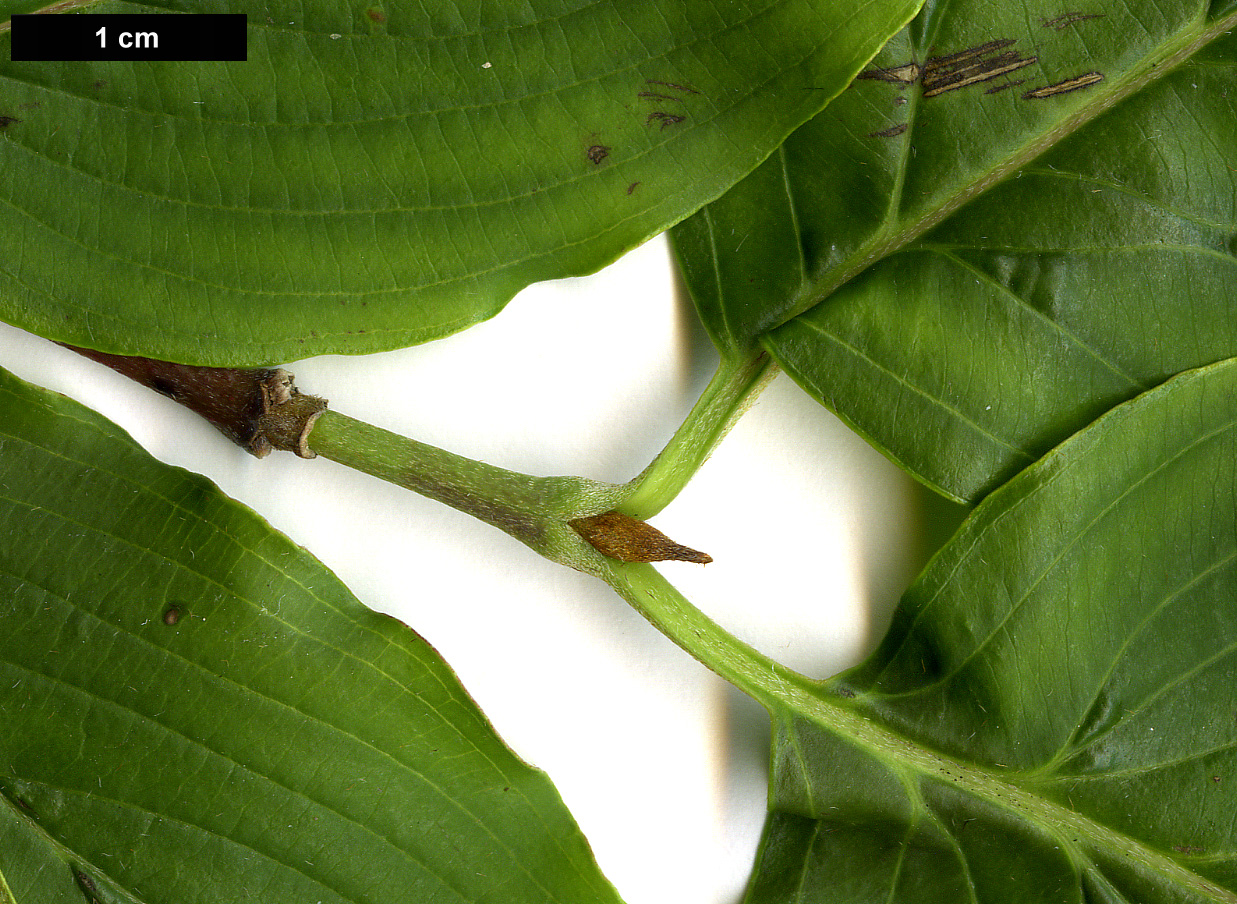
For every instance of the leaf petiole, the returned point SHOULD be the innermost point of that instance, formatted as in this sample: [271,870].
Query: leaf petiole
[730,393]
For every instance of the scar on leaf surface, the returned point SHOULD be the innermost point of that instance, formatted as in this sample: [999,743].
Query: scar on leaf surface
[890,132]
[671,85]
[598,153]
[1065,20]
[1070,84]
[666,119]
[952,71]
[87,886]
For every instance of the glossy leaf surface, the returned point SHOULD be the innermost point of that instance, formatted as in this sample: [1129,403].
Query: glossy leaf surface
[1013,220]
[195,710]
[377,175]
[1051,717]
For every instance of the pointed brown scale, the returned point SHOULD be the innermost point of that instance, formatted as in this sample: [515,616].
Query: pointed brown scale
[625,538]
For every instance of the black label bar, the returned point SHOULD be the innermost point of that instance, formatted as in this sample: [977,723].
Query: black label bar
[162,36]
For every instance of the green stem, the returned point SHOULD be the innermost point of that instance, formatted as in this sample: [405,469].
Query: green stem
[534,510]
[768,681]
[732,390]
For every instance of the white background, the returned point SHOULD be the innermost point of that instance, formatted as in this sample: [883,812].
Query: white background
[814,537]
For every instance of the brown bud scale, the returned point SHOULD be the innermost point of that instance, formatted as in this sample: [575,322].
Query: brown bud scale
[627,539]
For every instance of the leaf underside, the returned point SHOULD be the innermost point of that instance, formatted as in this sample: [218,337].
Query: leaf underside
[1051,717]
[1011,221]
[195,710]
[380,175]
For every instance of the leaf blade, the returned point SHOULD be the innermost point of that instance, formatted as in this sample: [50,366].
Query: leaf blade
[373,177]
[199,708]
[969,307]
[1053,700]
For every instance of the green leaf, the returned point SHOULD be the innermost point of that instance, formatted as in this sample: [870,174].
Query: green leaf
[1051,717]
[378,175]
[968,264]
[35,869]
[195,710]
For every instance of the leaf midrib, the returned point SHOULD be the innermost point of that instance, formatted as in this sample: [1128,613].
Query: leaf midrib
[897,235]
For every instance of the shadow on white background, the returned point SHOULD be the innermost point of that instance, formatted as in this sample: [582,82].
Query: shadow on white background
[814,536]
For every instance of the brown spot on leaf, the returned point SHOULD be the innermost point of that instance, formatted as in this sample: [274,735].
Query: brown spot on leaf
[890,132]
[6,121]
[632,187]
[86,884]
[598,153]
[171,615]
[376,15]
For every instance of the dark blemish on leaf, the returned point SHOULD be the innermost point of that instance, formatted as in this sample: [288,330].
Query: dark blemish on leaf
[1216,779]
[899,101]
[952,61]
[25,805]
[906,74]
[846,692]
[598,153]
[952,71]
[1188,849]
[376,15]
[666,119]
[99,84]
[997,89]
[890,132]
[972,66]
[655,96]
[86,884]
[671,85]
[632,187]
[6,121]
[171,616]
[1067,19]
[1070,84]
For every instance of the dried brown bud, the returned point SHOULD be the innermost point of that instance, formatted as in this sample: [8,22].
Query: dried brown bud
[624,538]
